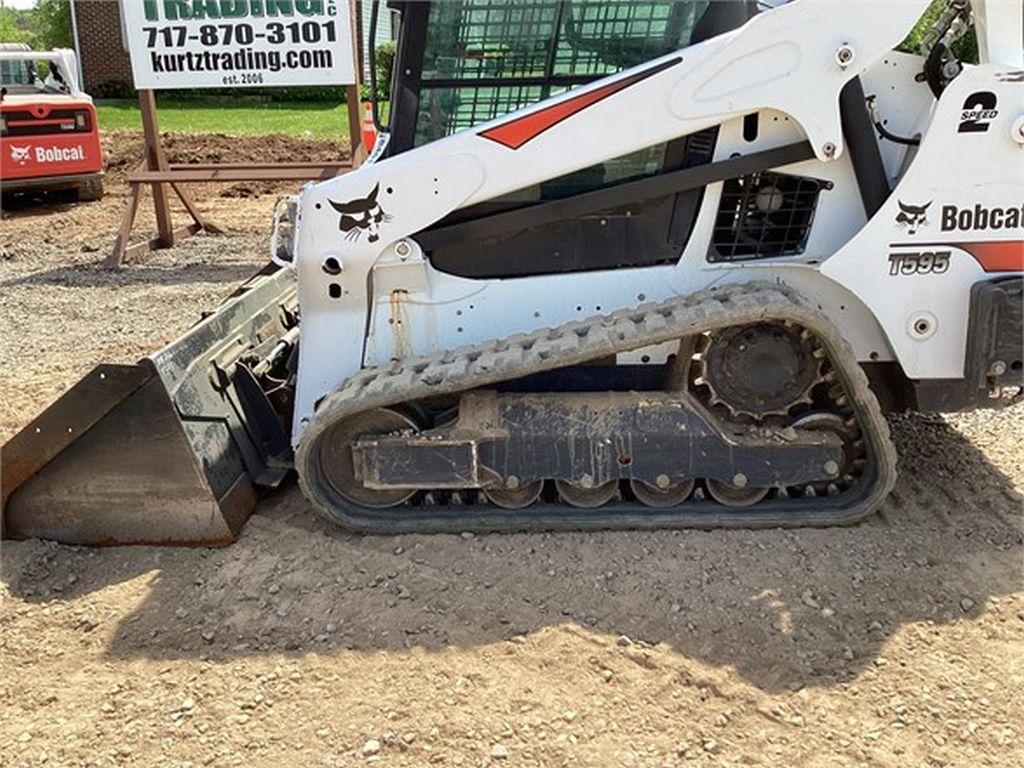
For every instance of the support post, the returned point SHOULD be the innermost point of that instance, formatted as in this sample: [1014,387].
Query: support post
[156,160]
[352,101]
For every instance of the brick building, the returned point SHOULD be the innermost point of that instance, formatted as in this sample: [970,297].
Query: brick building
[106,67]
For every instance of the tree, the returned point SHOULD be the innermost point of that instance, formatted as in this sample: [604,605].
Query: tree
[966,48]
[16,27]
[385,61]
[53,23]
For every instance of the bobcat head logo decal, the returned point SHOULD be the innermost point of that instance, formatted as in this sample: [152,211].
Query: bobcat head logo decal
[363,214]
[911,217]
[19,154]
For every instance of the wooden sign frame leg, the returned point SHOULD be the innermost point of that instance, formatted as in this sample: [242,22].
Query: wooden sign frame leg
[156,160]
[353,102]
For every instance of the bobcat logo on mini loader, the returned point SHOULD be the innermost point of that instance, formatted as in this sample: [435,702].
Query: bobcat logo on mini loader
[19,155]
[912,217]
[363,214]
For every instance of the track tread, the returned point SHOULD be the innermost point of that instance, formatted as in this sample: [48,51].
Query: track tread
[523,354]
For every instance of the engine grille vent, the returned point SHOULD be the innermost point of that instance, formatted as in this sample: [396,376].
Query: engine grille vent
[764,214]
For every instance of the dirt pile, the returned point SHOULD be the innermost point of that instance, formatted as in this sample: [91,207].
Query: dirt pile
[123,151]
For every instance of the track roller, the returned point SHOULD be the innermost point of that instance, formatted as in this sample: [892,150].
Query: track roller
[730,495]
[515,498]
[586,498]
[661,497]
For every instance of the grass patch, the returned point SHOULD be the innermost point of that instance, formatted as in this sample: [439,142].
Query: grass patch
[237,117]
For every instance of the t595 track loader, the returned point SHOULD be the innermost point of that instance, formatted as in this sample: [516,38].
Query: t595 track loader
[610,265]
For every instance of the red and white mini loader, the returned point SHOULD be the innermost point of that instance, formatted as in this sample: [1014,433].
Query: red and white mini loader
[49,137]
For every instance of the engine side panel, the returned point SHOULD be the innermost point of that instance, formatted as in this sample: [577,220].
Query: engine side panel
[955,218]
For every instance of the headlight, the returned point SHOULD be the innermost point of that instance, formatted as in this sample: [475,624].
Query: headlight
[80,120]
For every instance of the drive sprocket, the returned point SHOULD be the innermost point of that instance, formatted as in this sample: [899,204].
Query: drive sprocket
[760,370]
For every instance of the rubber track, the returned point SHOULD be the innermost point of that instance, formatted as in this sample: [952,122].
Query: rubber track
[577,342]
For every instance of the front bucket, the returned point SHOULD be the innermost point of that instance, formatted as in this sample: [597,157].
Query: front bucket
[171,450]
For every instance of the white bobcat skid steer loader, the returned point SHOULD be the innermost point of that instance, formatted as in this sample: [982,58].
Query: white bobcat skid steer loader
[680,289]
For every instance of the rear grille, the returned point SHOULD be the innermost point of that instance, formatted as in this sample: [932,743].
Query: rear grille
[21,122]
[764,214]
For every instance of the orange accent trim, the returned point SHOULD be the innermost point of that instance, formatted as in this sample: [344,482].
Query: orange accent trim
[515,133]
[997,256]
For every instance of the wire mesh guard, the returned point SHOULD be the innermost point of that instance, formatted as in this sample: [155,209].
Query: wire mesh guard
[443,111]
[764,214]
[485,58]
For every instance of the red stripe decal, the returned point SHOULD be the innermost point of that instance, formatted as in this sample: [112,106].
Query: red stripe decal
[520,130]
[998,256]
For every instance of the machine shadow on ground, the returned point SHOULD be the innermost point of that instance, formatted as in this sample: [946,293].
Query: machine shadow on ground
[42,204]
[785,609]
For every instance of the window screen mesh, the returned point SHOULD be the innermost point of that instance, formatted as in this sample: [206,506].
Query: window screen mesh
[444,111]
[485,58]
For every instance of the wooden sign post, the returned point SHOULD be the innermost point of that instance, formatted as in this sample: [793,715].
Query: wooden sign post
[156,161]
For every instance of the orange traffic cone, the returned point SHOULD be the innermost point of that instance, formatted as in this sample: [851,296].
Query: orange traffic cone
[369,129]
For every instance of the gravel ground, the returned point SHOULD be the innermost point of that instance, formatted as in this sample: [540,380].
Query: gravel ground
[63,312]
[895,643]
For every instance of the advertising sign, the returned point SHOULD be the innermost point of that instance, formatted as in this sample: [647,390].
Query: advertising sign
[232,43]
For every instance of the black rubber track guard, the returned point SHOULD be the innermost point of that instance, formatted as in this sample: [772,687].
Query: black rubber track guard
[577,342]
[171,450]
